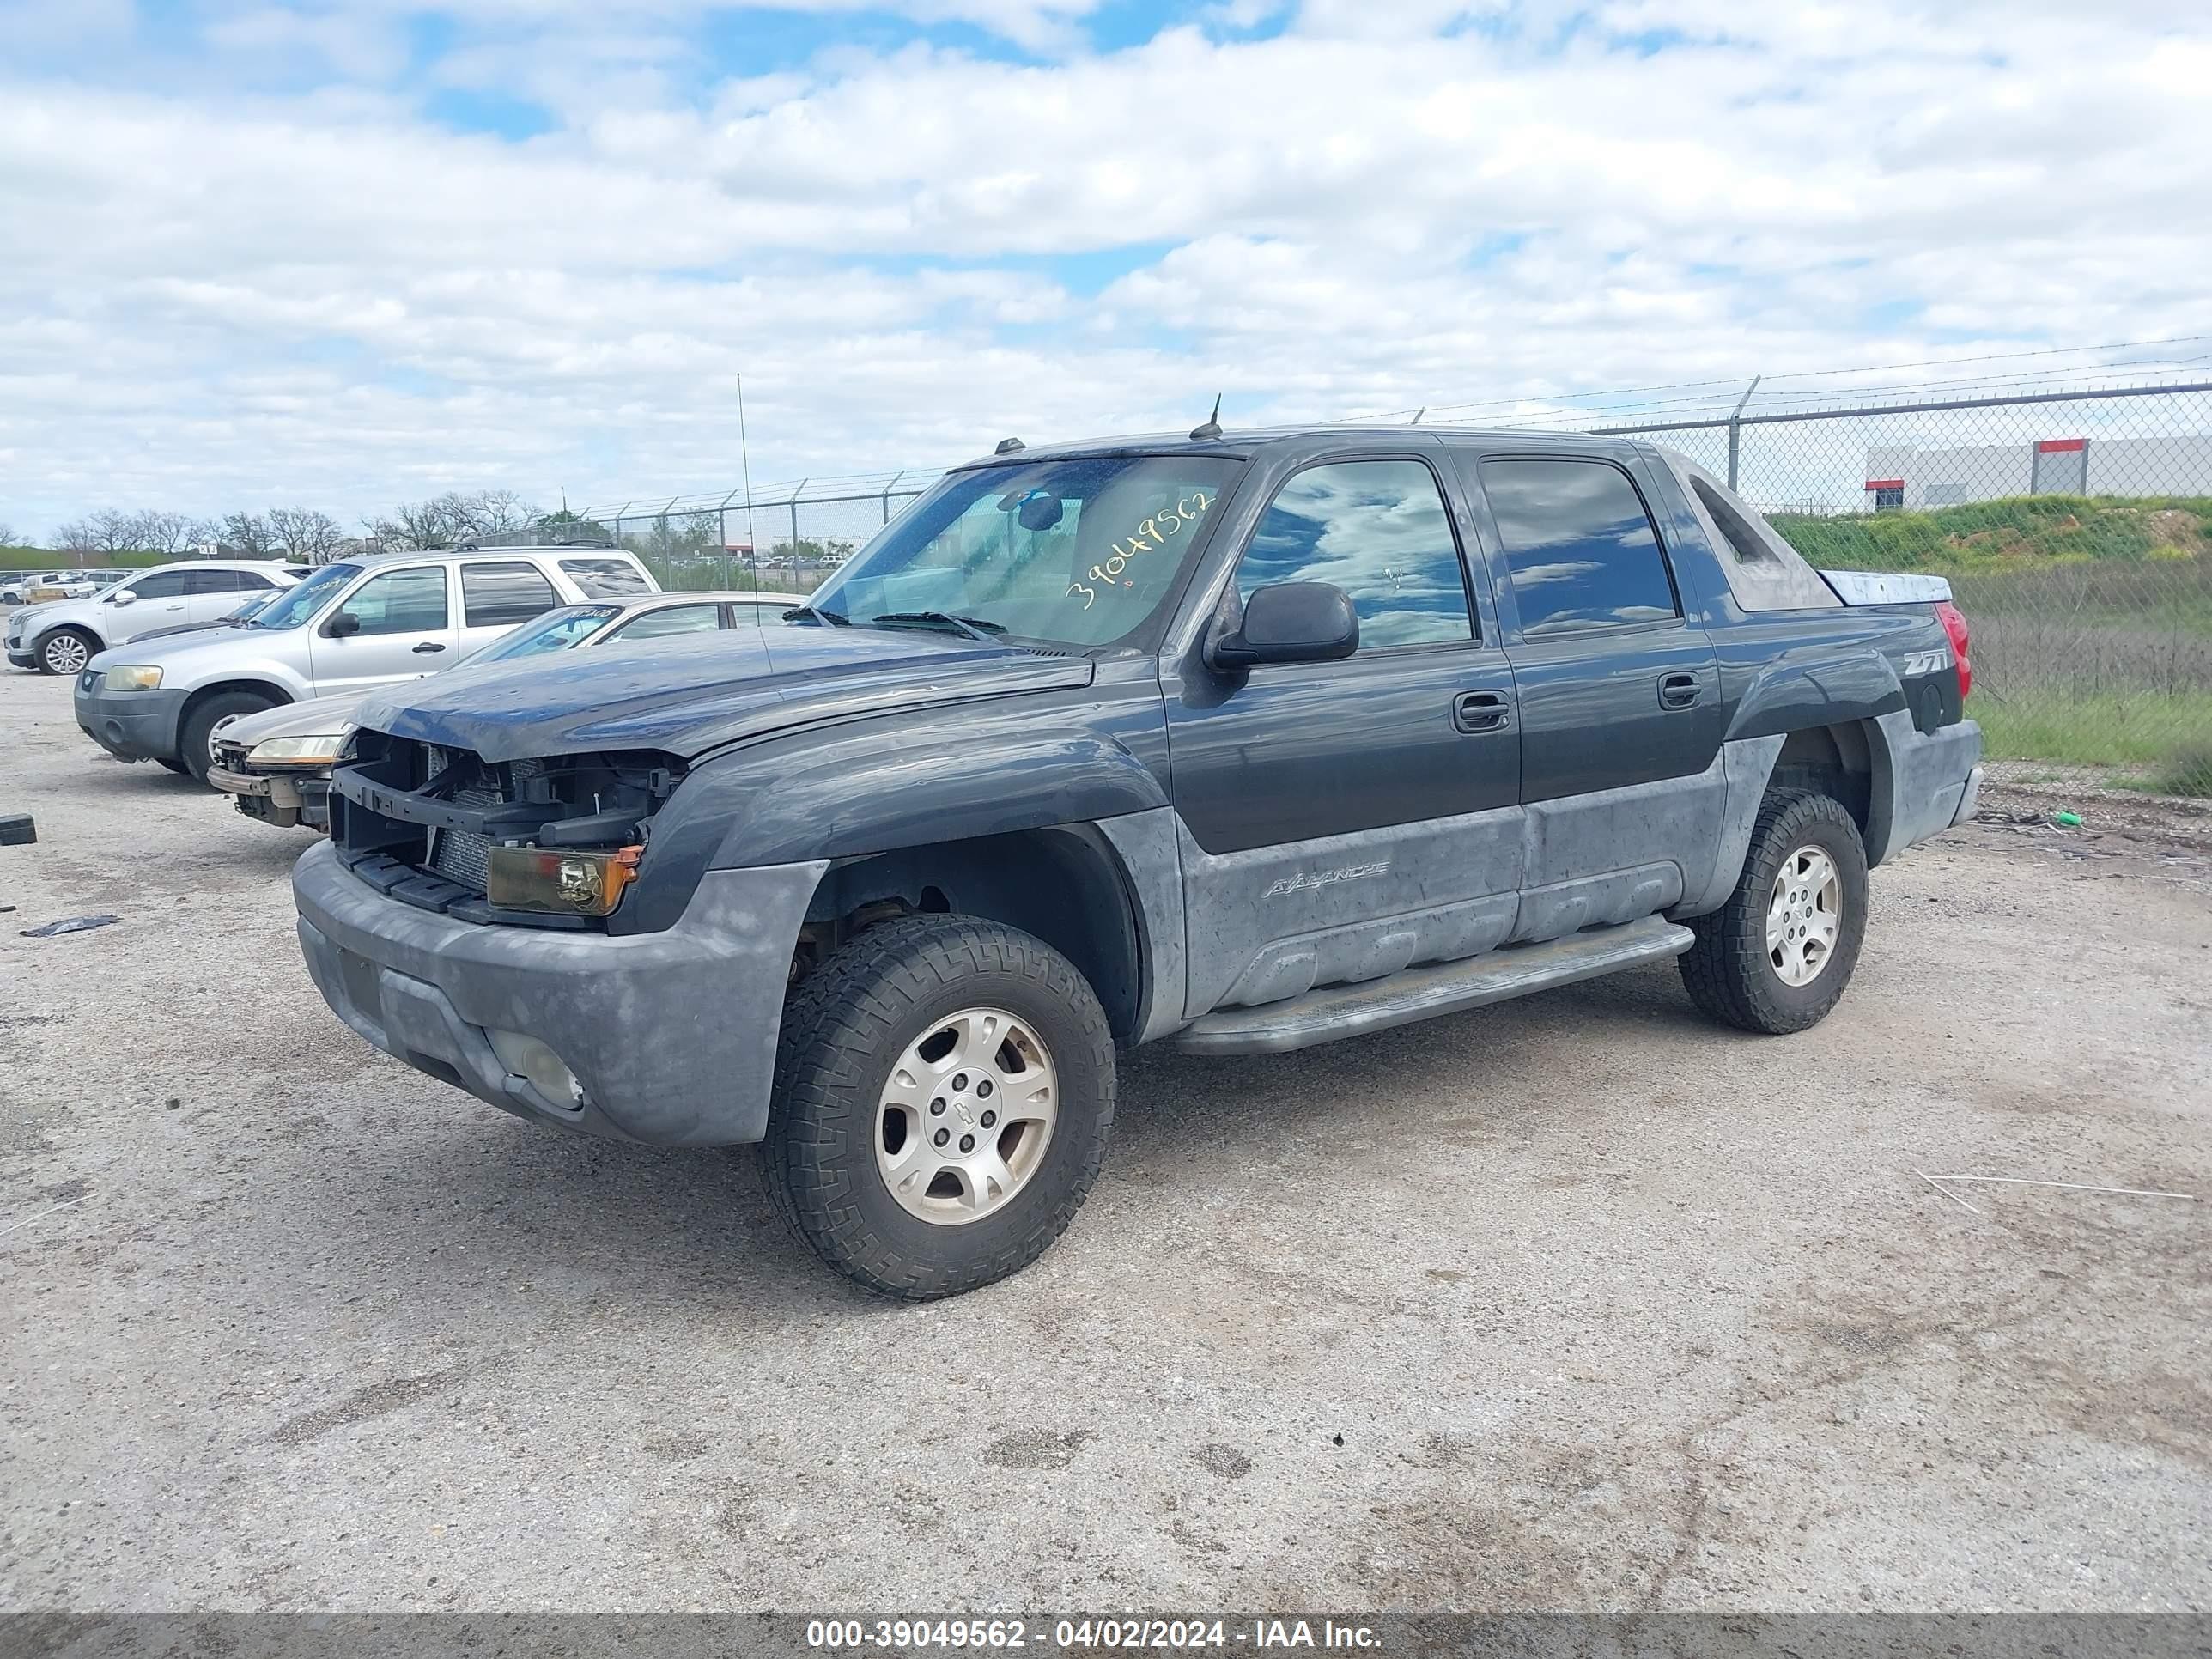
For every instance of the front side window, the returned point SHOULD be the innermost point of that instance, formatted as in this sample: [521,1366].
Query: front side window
[401,602]
[1082,551]
[556,631]
[500,594]
[1580,549]
[162,584]
[1377,530]
[673,619]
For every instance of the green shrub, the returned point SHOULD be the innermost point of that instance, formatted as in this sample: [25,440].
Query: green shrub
[2186,770]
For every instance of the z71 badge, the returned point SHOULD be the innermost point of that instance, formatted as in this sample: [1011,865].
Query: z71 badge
[1919,663]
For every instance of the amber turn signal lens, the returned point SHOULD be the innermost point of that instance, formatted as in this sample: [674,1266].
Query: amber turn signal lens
[560,883]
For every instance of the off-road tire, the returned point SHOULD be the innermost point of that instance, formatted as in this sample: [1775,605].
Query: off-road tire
[1728,971]
[846,1025]
[199,723]
[89,642]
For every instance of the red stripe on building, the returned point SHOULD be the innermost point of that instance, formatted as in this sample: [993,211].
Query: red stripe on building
[2060,446]
[1885,483]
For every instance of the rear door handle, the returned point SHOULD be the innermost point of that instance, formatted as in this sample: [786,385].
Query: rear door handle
[1482,711]
[426,647]
[1679,690]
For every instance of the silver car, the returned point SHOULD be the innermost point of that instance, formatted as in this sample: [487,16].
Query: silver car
[354,625]
[278,762]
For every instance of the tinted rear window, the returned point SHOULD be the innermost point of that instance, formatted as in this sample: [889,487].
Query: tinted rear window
[1580,549]
[500,594]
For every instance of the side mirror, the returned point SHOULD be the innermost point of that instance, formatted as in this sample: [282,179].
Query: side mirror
[125,597]
[1288,622]
[339,626]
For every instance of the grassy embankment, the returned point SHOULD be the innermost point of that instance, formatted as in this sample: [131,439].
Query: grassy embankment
[2092,620]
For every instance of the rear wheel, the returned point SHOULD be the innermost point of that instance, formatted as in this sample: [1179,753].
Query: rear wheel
[943,1091]
[1777,956]
[66,651]
[195,738]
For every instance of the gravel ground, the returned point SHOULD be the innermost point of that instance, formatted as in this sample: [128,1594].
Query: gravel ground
[1578,1303]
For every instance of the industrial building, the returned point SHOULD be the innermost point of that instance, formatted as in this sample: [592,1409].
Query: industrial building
[1900,475]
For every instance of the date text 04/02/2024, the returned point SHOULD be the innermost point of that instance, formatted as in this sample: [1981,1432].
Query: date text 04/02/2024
[1114,1632]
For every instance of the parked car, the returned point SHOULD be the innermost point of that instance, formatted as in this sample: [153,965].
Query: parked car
[62,637]
[1243,743]
[277,763]
[72,585]
[350,627]
[16,590]
[251,606]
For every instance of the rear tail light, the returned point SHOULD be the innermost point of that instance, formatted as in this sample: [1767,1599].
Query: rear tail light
[1955,626]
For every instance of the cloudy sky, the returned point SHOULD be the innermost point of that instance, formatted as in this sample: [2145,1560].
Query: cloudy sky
[343,252]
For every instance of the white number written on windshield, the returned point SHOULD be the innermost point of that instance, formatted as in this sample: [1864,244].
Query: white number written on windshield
[1152,534]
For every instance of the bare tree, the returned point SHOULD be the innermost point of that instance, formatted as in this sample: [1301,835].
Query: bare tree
[454,516]
[412,525]
[306,534]
[7,534]
[491,512]
[170,533]
[250,534]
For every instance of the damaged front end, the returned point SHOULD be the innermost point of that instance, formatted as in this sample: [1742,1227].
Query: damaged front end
[544,842]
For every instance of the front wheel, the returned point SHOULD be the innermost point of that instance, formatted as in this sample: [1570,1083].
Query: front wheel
[66,651]
[1777,956]
[944,1091]
[195,737]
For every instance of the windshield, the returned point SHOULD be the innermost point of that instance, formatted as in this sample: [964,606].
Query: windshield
[556,631]
[302,603]
[1077,552]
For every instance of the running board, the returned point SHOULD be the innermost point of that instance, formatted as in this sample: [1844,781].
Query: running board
[1447,988]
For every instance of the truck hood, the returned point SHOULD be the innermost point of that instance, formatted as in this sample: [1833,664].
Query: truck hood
[689,695]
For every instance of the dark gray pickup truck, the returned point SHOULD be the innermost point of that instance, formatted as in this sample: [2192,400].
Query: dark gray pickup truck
[1242,742]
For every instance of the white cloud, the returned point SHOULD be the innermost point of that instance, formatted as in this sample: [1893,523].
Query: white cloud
[214,298]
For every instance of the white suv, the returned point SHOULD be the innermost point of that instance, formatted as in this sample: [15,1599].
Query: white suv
[61,636]
[350,627]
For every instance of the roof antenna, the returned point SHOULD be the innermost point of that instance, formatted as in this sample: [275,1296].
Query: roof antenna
[1211,428]
[1417,413]
[1008,446]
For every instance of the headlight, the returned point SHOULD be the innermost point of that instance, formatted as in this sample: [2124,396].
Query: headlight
[321,749]
[561,883]
[132,679]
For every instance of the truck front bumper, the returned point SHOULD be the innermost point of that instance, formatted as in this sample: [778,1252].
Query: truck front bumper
[131,725]
[668,1038]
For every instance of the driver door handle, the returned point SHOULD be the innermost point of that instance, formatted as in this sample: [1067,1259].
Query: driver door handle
[1474,712]
[426,647]
[1679,690]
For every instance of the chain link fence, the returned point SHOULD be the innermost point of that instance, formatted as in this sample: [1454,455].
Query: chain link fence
[2073,525]
[780,538]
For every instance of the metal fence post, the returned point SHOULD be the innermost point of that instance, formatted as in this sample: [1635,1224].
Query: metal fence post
[1736,425]
[888,488]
